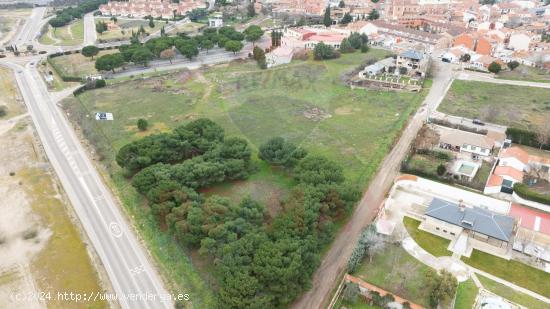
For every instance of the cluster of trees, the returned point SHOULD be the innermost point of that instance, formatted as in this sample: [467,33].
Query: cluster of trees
[65,16]
[164,46]
[355,42]
[197,14]
[442,287]
[259,55]
[323,51]
[259,265]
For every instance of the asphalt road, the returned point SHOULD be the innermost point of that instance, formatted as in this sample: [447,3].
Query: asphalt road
[30,29]
[90,35]
[131,273]
[488,78]
[335,260]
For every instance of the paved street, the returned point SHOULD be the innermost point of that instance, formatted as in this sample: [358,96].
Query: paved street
[90,35]
[31,28]
[335,260]
[124,259]
[484,77]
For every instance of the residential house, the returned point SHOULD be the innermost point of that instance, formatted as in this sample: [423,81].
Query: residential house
[478,145]
[470,227]
[215,21]
[519,41]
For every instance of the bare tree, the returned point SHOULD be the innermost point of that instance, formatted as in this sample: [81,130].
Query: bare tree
[543,134]
[168,54]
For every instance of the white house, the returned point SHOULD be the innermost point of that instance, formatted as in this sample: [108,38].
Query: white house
[463,141]
[215,21]
[519,41]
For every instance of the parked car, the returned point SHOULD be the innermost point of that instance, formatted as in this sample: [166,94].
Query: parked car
[478,122]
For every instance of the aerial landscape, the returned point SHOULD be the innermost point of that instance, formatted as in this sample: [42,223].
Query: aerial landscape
[275,154]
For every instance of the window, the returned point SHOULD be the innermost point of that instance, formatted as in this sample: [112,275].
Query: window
[437,228]
[507,183]
[453,234]
[444,231]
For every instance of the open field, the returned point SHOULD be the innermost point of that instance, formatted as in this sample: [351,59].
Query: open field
[511,294]
[69,35]
[516,106]
[190,27]
[435,245]
[527,73]
[124,28]
[305,102]
[10,20]
[78,65]
[516,272]
[466,295]
[394,270]
[41,249]
[10,94]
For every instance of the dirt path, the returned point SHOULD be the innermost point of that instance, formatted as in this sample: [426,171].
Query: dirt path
[335,260]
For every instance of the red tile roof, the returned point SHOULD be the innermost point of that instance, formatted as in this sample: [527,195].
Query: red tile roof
[509,171]
[529,219]
[516,152]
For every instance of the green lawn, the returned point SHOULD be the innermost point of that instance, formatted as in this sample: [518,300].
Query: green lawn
[305,102]
[511,294]
[435,245]
[77,65]
[396,271]
[527,73]
[466,295]
[69,35]
[359,305]
[518,273]
[516,106]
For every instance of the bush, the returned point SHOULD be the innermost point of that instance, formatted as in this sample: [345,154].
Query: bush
[3,110]
[142,124]
[494,67]
[525,137]
[441,170]
[100,83]
[364,48]
[523,191]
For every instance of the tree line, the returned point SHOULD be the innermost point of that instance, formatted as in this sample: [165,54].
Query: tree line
[259,262]
[164,47]
[66,15]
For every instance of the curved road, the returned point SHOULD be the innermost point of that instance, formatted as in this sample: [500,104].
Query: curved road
[335,260]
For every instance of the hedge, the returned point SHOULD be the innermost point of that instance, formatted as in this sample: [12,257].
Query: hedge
[525,137]
[523,191]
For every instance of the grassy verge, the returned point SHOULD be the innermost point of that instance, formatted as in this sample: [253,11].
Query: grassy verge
[511,294]
[526,73]
[466,295]
[516,272]
[435,245]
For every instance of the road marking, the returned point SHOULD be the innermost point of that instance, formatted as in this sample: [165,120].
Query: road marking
[115,229]
[138,269]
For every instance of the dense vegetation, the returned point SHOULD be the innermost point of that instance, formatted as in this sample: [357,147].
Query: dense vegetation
[523,191]
[259,263]
[65,16]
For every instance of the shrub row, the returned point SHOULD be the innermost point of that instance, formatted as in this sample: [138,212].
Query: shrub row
[523,191]
[525,137]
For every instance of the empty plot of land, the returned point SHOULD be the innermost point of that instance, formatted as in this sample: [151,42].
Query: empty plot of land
[305,102]
[10,21]
[526,73]
[516,106]
[122,29]
[69,35]
[77,65]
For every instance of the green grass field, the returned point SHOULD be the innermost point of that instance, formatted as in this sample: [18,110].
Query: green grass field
[527,73]
[466,295]
[435,245]
[516,106]
[305,102]
[511,294]
[516,272]
[69,35]
[394,270]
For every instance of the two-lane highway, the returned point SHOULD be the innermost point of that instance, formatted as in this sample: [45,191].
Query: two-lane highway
[134,279]
[31,27]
